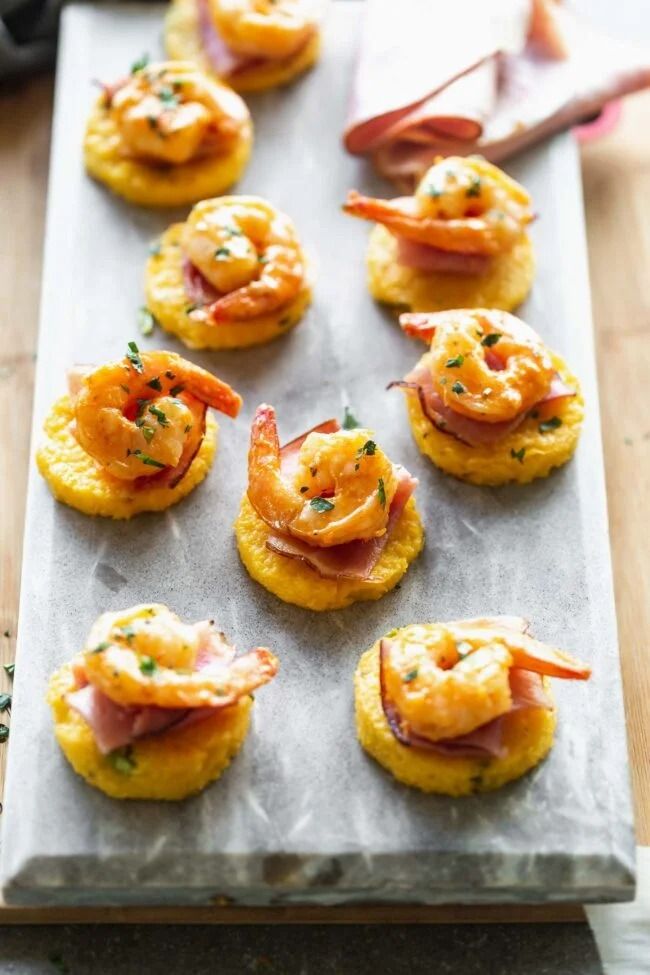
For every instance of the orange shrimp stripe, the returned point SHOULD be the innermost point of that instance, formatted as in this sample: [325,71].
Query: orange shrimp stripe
[295,582]
[183,43]
[500,463]
[167,300]
[75,479]
[159,186]
[170,765]
[505,285]
[527,735]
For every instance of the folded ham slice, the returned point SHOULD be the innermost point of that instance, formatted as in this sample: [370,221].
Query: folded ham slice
[486,741]
[197,287]
[422,257]
[476,77]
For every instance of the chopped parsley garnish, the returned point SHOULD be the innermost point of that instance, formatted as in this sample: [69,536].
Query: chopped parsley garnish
[4,732]
[369,448]
[153,122]
[456,362]
[159,415]
[169,374]
[321,504]
[381,492]
[463,649]
[100,646]
[147,432]
[190,309]
[433,191]
[133,355]
[222,253]
[304,489]
[122,760]
[547,425]
[155,383]
[350,421]
[188,428]
[474,189]
[9,669]
[458,388]
[155,248]
[140,64]
[128,632]
[518,454]
[175,390]
[5,702]
[262,259]
[146,459]
[412,674]
[233,231]
[146,321]
[142,405]
[491,339]
[148,666]
[168,98]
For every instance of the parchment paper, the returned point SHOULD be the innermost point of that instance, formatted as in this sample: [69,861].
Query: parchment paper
[303,814]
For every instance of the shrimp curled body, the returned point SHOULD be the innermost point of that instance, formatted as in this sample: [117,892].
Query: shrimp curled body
[341,490]
[273,29]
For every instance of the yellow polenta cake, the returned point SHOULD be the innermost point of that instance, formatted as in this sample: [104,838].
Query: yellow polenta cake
[76,480]
[295,582]
[504,285]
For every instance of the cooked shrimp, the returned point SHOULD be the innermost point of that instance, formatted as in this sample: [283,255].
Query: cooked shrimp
[448,679]
[135,416]
[463,205]
[264,28]
[147,656]
[487,364]
[249,251]
[170,112]
[341,491]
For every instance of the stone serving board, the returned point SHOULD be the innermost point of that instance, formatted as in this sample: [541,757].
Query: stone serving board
[303,815]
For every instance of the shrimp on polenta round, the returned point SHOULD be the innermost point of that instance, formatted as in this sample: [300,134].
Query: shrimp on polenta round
[328,519]
[459,707]
[167,135]
[489,403]
[154,708]
[133,435]
[250,44]
[459,242]
[232,275]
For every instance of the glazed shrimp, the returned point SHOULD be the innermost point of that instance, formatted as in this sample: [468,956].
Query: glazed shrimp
[248,251]
[463,205]
[448,679]
[135,417]
[147,656]
[172,113]
[487,365]
[264,28]
[341,491]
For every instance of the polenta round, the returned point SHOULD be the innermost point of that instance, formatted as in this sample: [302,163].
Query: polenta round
[75,479]
[170,765]
[527,737]
[505,285]
[168,301]
[183,42]
[295,582]
[524,455]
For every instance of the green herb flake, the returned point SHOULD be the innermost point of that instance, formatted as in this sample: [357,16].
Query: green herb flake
[233,231]
[175,390]
[262,259]
[148,666]
[147,432]
[518,454]
[190,309]
[122,760]
[350,421]
[458,388]
[381,492]
[547,425]
[5,702]
[153,122]
[188,428]
[463,648]
[146,459]
[321,504]
[156,384]
[140,64]
[369,449]
[491,339]
[474,189]
[4,732]
[222,253]
[160,415]
[412,674]
[104,645]
[168,98]
[433,192]
[9,670]
[304,489]
[456,362]
[146,321]
[133,355]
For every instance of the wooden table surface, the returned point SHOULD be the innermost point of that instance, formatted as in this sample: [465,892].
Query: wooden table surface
[616,173]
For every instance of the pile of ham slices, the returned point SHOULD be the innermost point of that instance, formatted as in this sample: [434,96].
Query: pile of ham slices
[478,76]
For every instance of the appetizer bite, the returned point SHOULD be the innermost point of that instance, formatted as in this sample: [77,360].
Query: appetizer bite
[251,44]
[154,708]
[459,707]
[459,242]
[328,519]
[489,403]
[133,435]
[167,135]
[233,275]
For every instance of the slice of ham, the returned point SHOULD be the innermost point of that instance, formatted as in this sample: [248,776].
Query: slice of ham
[427,85]
[197,287]
[354,560]
[474,433]
[422,257]
[526,689]
[289,453]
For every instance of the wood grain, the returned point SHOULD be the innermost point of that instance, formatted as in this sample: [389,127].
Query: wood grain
[617,189]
